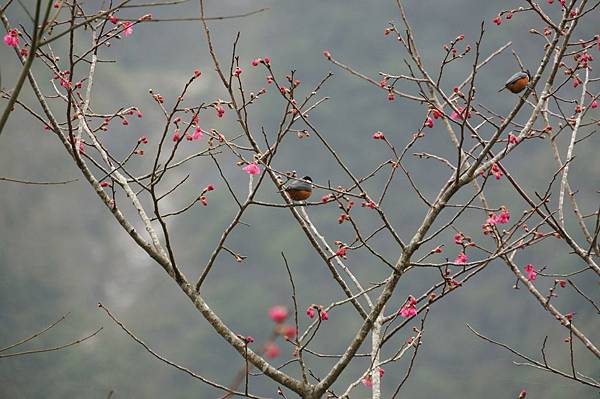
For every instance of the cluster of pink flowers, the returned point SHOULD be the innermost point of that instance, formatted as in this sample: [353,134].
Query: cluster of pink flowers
[197,135]
[369,204]
[496,171]
[461,259]
[323,315]
[502,218]
[531,272]
[429,122]
[326,198]
[256,61]
[409,308]
[252,168]
[12,38]
[220,111]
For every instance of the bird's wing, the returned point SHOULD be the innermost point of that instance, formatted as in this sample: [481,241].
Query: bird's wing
[515,77]
[299,185]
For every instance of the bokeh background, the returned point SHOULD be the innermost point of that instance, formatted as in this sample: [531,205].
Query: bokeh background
[61,251]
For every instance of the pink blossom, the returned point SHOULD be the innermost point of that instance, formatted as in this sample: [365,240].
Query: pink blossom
[367,381]
[238,71]
[429,122]
[594,104]
[326,198]
[492,220]
[496,171]
[210,187]
[531,273]
[323,315]
[310,312]
[458,238]
[252,169]
[458,115]
[267,60]
[198,133]
[391,96]
[12,38]
[378,136]
[278,314]
[197,72]
[569,316]
[176,136]
[220,111]
[436,114]
[461,259]
[342,250]
[272,350]
[290,332]
[408,311]
[498,20]
[562,283]
[327,54]
[503,217]
[114,19]
[143,140]
[512,139]
[409,308]
[127,28]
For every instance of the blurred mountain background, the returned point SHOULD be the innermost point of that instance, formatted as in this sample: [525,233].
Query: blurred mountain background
[61,250]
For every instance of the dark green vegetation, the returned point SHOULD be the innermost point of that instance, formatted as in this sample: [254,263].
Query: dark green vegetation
[60,250]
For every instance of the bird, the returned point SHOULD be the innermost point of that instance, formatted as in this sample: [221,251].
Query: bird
[518,82]
[300,190]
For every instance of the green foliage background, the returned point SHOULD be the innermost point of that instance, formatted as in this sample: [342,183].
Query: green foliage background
[61,251]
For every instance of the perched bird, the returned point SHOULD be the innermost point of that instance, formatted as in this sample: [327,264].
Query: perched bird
[300,190]
[518,82]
